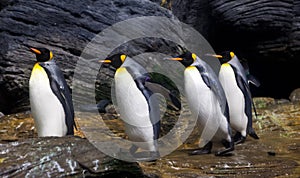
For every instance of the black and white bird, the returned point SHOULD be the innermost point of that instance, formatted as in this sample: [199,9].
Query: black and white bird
[50,98]
[207,101]
[136,103]
[235,82]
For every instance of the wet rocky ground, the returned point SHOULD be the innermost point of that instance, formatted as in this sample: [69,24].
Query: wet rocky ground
[275,154]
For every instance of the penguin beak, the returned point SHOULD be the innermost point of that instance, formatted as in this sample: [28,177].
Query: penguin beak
[214,55]
[106,61]
[175,59]
[34,50]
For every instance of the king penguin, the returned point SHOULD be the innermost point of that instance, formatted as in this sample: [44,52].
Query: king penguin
[50,98]
[234,80]
[207,101]
[138,107]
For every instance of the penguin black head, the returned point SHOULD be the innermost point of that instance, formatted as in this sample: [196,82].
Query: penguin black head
[225,56]
[42,54]
[186,58]
[115,60]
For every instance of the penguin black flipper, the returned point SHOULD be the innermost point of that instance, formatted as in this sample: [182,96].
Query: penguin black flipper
[99,107]
[158,86]
[248,103]
[60,89]
[253,80]
[170,96]
[152,102]
[216,87]
[250,78]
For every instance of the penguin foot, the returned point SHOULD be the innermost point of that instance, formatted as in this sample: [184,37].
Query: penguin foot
[205,150]
[238,138]
[241,140]
[229,147]
[154,154]
[253,134]
[147,156]
[133,149]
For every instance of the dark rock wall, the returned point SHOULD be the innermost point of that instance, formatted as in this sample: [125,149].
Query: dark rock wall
[266,33]
[65,27]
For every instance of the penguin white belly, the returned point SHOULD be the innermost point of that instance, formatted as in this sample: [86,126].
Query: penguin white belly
[47,111]
[134,110]
[202,101]
[235,99]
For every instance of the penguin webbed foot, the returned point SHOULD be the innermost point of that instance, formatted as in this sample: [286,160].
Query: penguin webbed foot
[133,150]
[204,150]
[101,105]
[229,147]
[154,155]
[238,138]
[144,156]
[253,135]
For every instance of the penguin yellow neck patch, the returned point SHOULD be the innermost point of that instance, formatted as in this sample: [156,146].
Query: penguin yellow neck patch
[190,68]
[37,72]
[121,69]
[37,66]
[226,65]
[232,54]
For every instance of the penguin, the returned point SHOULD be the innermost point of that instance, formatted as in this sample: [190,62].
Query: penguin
[50,98]
[137,105]
[234,80]
[207,101]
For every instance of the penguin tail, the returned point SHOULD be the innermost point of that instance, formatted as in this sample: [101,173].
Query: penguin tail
[253,134]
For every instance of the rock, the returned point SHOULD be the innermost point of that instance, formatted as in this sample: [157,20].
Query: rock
[278,127]
[65,27]
[60,157]
[263,102]
[282,101]
[266,33]
[1,114]
[295,95]
[196,13]
[270,33]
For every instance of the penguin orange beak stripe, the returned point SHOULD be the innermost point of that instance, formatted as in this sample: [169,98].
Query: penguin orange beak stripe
[35,51]
[105,61]
[176,59]
[215,55]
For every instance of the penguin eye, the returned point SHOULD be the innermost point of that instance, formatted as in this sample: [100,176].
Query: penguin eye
[232,54]
[123,57]
[194,56]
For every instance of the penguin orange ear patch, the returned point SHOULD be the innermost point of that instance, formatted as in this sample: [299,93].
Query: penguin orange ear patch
[123,57]
[194,56]
[232,54]
[51,55]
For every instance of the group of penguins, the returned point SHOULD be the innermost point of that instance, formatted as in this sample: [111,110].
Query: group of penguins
[221,103]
